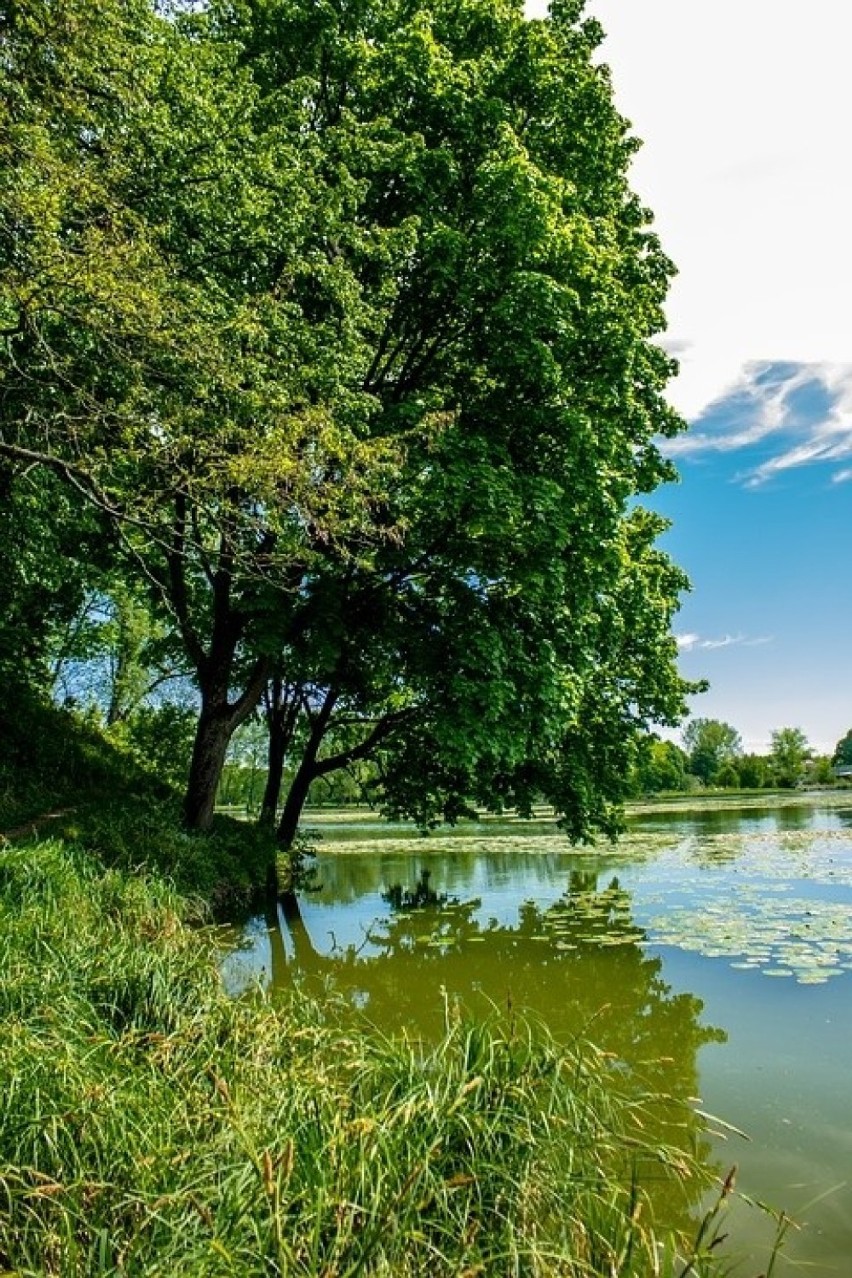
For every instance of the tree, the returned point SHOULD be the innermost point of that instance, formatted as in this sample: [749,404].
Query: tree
[710,744]
[819,770]
[788,757]
[360,368]
[660,765]
[523,615]
[753,771]
[842,757]
[728,776]
[108,654]
[180,329]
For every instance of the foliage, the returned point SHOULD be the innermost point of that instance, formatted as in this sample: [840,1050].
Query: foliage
[710,744]
[819,770]
[660,765]
[42,583]
[65,774]
[109,655]
[728,777]
[753,771]
[160,739]
[50,760]
[151,1123]
[788,756]
[343,320]
[842,756]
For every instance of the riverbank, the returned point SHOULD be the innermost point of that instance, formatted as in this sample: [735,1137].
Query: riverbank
[150,1124]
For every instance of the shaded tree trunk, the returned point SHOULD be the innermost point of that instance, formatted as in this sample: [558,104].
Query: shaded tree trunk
[296,799]
[308,769]
[282,710]
[311,767]
[217,723]
[208,758]
[219,717]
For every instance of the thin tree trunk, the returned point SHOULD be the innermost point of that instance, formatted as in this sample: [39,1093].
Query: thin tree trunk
[274,774]
[296,798]
[282,709]
[307,771]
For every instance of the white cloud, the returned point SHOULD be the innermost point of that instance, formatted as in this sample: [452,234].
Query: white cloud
[691,642]
[762,406]
[744,111]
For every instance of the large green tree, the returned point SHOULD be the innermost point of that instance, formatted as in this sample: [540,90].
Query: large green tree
[513,640]
[344,316]
[180,333]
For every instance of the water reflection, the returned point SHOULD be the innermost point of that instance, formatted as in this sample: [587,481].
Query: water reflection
[799,812]
[579,963]
[692,918]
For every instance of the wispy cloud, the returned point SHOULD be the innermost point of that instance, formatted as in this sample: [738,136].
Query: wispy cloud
[801,414]
[692,642]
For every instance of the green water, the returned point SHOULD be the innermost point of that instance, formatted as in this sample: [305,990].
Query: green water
[711,950]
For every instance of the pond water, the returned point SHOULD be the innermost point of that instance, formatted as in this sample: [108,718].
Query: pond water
[710,949]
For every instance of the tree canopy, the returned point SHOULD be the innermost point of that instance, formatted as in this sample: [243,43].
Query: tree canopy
[842,756]
[710,745]
[339,320]
[789,753]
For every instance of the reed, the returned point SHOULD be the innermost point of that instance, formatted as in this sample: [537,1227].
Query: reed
[150,1125]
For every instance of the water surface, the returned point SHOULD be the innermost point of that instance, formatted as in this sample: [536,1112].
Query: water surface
[710,950]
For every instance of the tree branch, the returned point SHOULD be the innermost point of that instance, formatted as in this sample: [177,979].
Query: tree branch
[388,724]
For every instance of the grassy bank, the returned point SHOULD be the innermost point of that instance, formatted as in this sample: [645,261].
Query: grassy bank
[60,775]
[151,1125]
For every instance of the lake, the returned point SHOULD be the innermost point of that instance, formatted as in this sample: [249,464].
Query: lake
[710,949]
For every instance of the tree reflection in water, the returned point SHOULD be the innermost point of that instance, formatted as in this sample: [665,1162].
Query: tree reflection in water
[579,965]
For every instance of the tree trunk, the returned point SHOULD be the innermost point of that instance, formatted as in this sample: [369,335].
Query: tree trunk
[217,723]
[282,710]
[308,770]
[274,774]
[208,758]
[296,797]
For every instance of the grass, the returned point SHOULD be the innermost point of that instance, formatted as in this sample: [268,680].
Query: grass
[149,1125]
[61,773]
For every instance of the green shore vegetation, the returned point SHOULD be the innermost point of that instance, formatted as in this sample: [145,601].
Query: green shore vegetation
[151,1124]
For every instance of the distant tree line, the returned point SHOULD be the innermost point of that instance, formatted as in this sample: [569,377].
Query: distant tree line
[712,755]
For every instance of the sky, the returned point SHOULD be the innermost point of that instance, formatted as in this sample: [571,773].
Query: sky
[744,108]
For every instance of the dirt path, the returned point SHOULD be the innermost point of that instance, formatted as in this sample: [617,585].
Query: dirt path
[36,826]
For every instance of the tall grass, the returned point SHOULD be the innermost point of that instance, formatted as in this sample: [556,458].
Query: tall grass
[151,1125]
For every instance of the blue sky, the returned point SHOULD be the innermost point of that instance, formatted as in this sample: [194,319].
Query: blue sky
[761,520]
[744,108]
